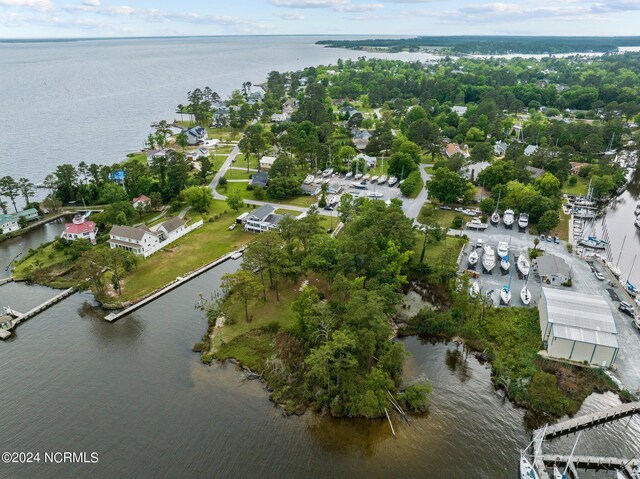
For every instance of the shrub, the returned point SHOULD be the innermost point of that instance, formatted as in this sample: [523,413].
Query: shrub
[223,182]
[457,222]
[272,327]
[416,397]
[573,181]
[198,348]
[569,247]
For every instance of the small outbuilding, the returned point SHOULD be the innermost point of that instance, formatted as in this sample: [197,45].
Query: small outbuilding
[553,270]
[578,327]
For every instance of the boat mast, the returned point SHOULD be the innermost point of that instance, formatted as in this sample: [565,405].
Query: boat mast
[564,473]
[621,249]
[632,265]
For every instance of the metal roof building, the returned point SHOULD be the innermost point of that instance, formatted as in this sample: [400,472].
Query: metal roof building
[578,327]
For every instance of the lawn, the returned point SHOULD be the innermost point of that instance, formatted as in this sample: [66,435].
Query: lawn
[140,157]
[580,188]
[241,161]
[222,150]
[303,201]
[435,251]
[563,228]
[43,258]
[233,174]
[225,134]
[199,247]
[444,217]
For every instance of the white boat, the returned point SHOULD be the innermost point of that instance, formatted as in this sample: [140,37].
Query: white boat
[523,221]
[503,249]
[473,258]
[525,295]
[474,289]
[495,218]
[586,213]
[508,218]
[593,243]
[327,172]
[382,179]
[526,468]
[375,194]
[393,180]
[523,265]
[476,224]
[366,177]
[236,255]
[505,264]
[488,258]
[505,295]
[556,473]
[357,176]
[374,178]
[359,185]
[614,269]
[348,175]
[308,180]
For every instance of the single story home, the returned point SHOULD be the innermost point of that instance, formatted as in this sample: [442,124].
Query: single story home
[80,228]
[138,239]
[578,327]
[11,222]
[459,110]
[500,148]
[198,153]
[262,219]
[141,201]
[196,135]
[290,106]
[553,269]
[280,117]
[261,178]
[310,190]
[453,148]
[266,162]
[530,150]
[348,110]
[535,172]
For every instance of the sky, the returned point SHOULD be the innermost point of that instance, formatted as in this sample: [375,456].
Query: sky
[113,18]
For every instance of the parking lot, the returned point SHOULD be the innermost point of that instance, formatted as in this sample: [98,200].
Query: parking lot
[627,364]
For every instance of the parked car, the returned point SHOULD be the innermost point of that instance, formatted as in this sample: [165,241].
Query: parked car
[479,243]
[599,275]
[627,309]
[550,239]
[543,238]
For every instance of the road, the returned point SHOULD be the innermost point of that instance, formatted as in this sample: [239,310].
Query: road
[222,171]
[412,207]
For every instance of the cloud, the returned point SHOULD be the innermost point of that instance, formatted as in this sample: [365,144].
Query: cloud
[91,3]
[290,15]
[42,5]
[336,5]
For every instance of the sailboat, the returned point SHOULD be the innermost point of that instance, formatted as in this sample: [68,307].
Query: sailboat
[393,180]
[508,218]
[526,468]
[495,217]
[525,295]
[523,265]
[505,294]
[473,258]
[382,179]
[556,473]
[505,264]
[631,289]
[488,258]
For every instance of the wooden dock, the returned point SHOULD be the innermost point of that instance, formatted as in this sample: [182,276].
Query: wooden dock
[21,317]
[577,424]
[179,281]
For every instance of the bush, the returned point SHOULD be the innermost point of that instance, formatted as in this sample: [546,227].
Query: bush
[223,182]
[457,222]
[198,348]
[272,327]
[412,185]
[573,181]
[416,397]
[569,247]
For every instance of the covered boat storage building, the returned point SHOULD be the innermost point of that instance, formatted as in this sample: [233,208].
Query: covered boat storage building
[578,327]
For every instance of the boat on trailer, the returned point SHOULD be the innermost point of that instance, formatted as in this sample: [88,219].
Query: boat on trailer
[525,295]
[523,221]
[474,289]
[473,258]
[488,258]
[508,218]
[523,265]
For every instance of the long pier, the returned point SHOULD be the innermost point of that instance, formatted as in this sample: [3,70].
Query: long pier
[21,317]
[576,424]
[179,281]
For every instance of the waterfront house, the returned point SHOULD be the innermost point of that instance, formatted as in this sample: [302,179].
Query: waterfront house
[262,219]
[221,117]
[261,178]
[141,201]
[266,162]
[11,222]
[117,177]
[553,269]
[578,327]
[80,228]
[138,240]
[198,153]
[196,135]
[171,228]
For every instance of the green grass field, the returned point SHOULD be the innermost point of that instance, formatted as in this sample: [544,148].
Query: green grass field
[303,201]
[580,188]
[233,174]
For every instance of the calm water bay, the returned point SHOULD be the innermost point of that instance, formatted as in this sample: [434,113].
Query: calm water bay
[133,391]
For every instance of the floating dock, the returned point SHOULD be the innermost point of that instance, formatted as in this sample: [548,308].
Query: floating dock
[179,281]
[21,317]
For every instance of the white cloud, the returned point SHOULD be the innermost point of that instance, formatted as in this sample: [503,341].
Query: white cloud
[41,5]
[335,5]
[290,15]
[91,3]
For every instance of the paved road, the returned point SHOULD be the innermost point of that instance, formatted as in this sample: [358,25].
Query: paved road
[222,171]
[412,207]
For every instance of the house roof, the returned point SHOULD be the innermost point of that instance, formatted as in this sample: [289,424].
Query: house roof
[311,189]
[460,110]
[549,265]
[130,232]
[530,150]
[141,199]
[267,160]
[172,224]
[261,213]
[535,172]
[124,243]
[76,229]
[260,178]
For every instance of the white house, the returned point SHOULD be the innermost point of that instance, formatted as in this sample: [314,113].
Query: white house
[196,135]
[266,162]
[262,219]
[500,148]
[141,201]
[79,228]
[171,228]
[138,240]
[9,223]
[280,117]
[578,327]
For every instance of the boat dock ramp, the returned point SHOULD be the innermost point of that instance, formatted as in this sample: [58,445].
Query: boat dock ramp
[179,281]
[541,461]
[21,317]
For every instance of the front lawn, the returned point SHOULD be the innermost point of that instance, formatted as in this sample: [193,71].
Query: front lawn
[579,189]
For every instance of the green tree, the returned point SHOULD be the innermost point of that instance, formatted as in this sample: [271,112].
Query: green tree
[243,285]
[235,201]
[10,188]
[199,197]
[446,186]
[26,188]
[549,220]
[481,152]
[401,165]
[182,140]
